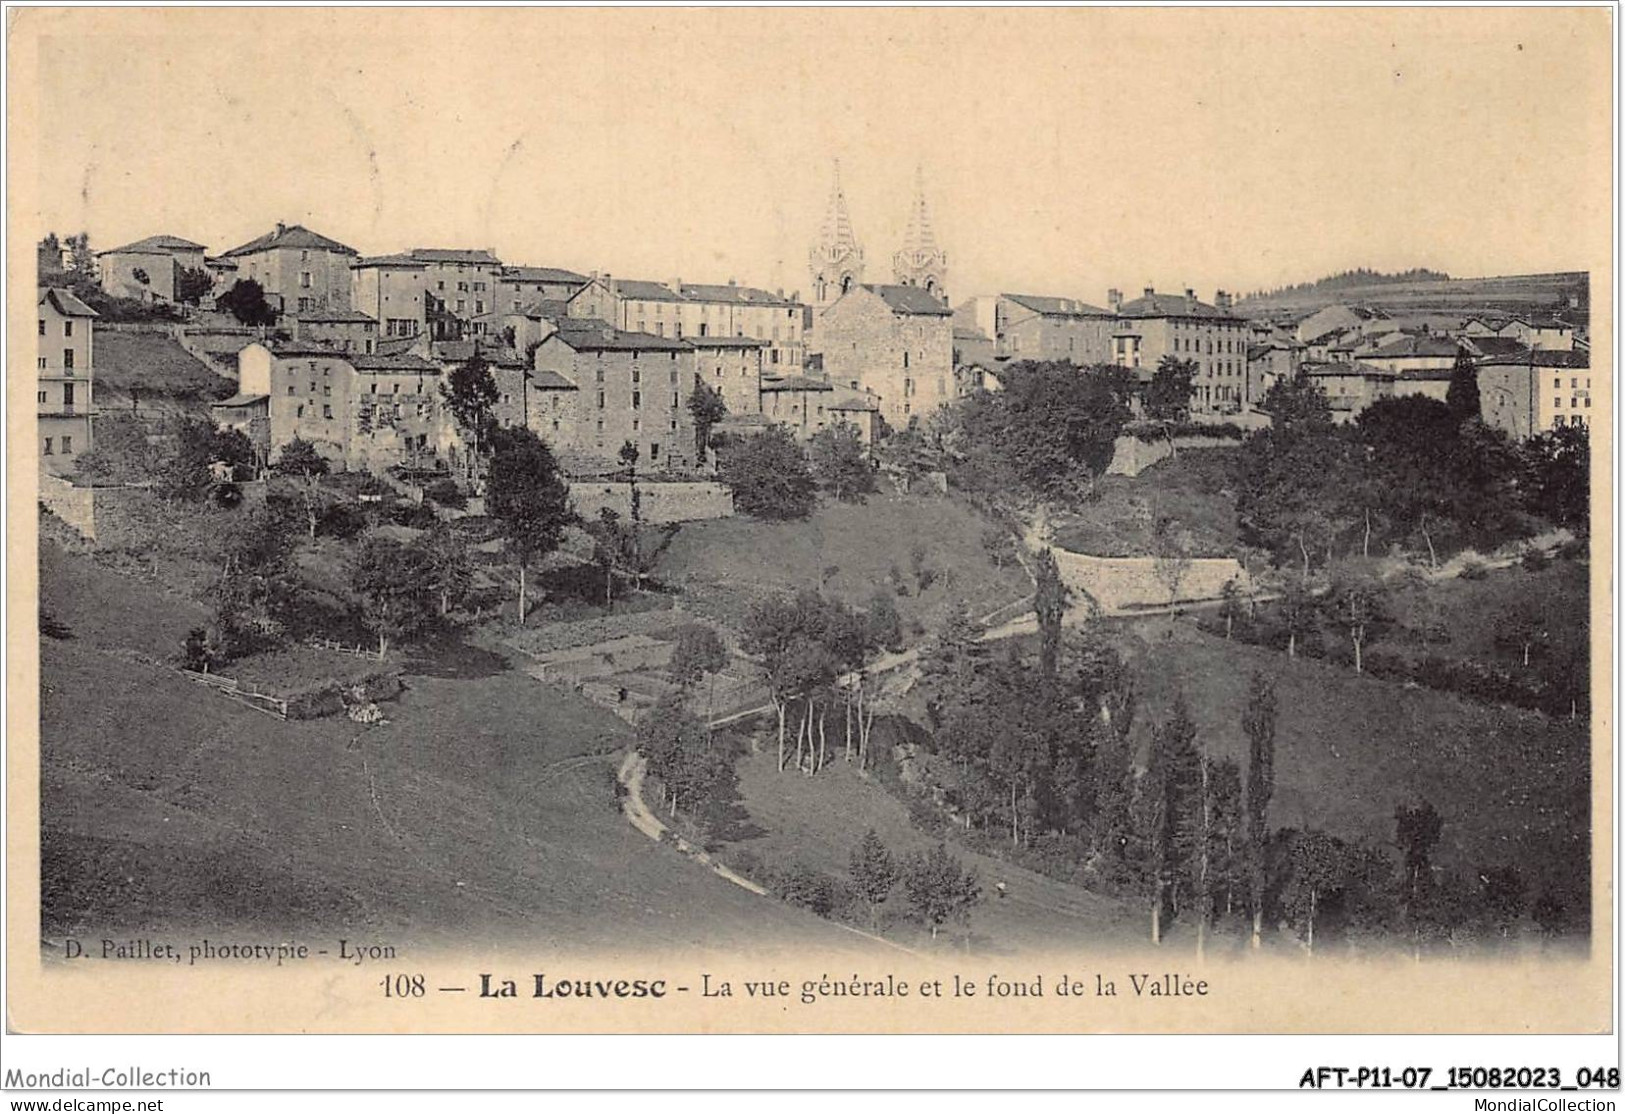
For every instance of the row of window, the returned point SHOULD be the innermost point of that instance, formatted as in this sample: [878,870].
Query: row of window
[67,327]
[637,400]
[47,449]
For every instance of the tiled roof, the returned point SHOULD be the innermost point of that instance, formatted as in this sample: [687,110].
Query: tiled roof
[1541,357]
[223,264]
[307,348]
[1345,368]
[1170,305]
[1494,346]
[456,255]
[1416,346]
[545,379]
[291,236]
[240,399]
[399,260]
[539,274]
[336,317]
[603,338]
[549,309]
[1058,307]
[65,302]
[389,346]
[457,351]
[157,245]
[646,291]
[404,362]
[733,294]
[970,332]
[795,383]
[914,301]
[853,400]
[726,342]
[1430,374]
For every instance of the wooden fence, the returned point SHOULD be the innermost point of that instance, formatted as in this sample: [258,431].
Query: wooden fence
[229,688]
[358,650]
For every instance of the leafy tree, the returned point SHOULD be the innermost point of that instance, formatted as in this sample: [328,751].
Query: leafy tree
[199,445]
[1170,809]
[1461,397]
[526,493]
[939,887]
[885,624]
[1168,397]
[1231,606]
[255,599]
[677,748]
[1416,830]
[840,462]
[769,476]
[1316,869]
[707,410]
[873,873]
[392,583]
[300,463]
[470,393]
[1171,558]
[247,303]
[1258,723]
[1050,598]
[1558,476]
[448,568]
[1298,610]
[123,452]
[699,653]
[999,546]
[191,284]
[1359,604]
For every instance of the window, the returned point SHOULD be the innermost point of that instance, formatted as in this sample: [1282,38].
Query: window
[45,446]
[462,305]
[299,411]
[42,326]
[600,404]
[67,445]
[479,306]
[327,412]
[304,279]
[42,398]
[637,400]
[636,375]
[1558,402]
[67,358]
[654,450]
[42,363]
[67,331]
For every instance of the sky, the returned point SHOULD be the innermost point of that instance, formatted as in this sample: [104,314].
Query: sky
[1063,151]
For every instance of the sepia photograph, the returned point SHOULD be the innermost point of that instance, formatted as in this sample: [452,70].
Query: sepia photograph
[711,520]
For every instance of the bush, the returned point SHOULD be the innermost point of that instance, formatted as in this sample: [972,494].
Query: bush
[1535,560]
[808,887]
[1474,567]
[419,516]
[1160,431]
[446,493]
[341,520]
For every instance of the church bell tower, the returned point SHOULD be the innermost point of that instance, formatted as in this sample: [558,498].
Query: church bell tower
[921,262]
[836,260]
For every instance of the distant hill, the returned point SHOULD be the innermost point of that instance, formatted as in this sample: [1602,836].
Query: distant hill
[1428,292]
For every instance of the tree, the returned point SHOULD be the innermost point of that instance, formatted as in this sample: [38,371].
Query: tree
[999,546]
[677,748]
[699,653]
[299,461]
[1557,476]
[1258,723]
[470,393]
[769,476]
[611,548]
[1462,395]
[1170,811]
[1416,831]
[840,462]
[123,452]
[191,284]
[447,566]
[393,585]
[939,887]
[246,302]
[1171,558]
[1357,601]
[1050,598]
[707,410]
[873,873]
[526,493]
[1231,606]
[199,445]
[1316,867]
[1168,397]
[256,596]
[1298,609]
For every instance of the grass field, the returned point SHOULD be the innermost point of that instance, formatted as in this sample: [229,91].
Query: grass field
[485,808]
[154,369]
[1511,786]
[1195,488]
[723,565]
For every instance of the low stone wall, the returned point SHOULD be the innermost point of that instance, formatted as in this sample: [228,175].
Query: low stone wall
[1131,456]
[684,501]
[1126,584]
[72,504]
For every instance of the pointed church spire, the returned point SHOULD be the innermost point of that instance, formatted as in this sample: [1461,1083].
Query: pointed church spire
[835,261]
[921,262]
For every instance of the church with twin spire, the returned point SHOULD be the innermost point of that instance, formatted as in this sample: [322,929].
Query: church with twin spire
[893,340]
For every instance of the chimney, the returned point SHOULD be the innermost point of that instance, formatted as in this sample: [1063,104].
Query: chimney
[1190,294]
[1222,300]
[1150,291]
[1114,300]
[676,286]
[281,228]
[732,281]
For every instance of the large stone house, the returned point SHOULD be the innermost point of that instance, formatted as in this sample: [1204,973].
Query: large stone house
[1040,327]
[1214,338]
[894,342]
[64,378]
[146,269]
[392,290]
[299,270]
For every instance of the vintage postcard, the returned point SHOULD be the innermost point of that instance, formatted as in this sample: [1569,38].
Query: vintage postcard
[811,520]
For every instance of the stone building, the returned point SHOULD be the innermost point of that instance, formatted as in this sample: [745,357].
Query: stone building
[895,342]
[1040,327]
[391,289]
[462,282]
[734,368]
[518,287]
[298,269]
[342,330]
[1537,391]
[146,269]
[64,378]
[1157,325]
[730,310]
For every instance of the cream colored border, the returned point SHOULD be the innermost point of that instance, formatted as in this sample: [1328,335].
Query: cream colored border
[1275,996]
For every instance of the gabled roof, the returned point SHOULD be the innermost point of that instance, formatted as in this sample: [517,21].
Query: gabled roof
[455,255]
[914,301]
[291,236]
[548,309]
[1058,307]
[1494,346]
[65,302]
[154,245]
[403,362]
[240,399]
[849,399]
[1171,305]
[399,261]
[1345,368]
[389,346]
[457,351]
[539,274]
[733,294]
[1418,346]
[221,264]
[294,348]
[545,379]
